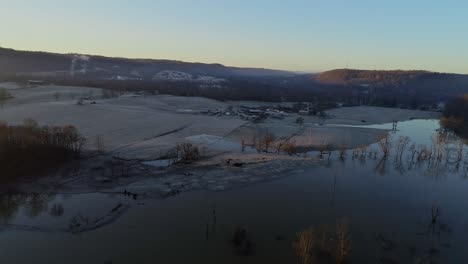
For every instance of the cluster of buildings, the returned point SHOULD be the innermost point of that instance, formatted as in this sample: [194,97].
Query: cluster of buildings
[253,114]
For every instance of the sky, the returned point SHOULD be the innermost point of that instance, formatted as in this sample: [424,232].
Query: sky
[297,35]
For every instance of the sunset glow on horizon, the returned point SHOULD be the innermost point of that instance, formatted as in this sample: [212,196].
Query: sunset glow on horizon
[294,35]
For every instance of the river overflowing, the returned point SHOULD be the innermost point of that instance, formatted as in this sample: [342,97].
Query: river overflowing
[409,207]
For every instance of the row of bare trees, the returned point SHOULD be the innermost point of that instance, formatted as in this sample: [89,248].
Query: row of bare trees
[455,116]
[446,149]
[269,143]
[30,149]
[184,153]
[31,135]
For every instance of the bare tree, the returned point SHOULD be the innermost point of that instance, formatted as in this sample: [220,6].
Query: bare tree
[289,147]
[325,148]
[402,143]
[268,141]
[414,151]
[343,241]
[243,145]
[384,143]
[336,241]
[99,144]
[343,148]
[329,149]
[439,141]
[304,246]
[363,151]
[187,153]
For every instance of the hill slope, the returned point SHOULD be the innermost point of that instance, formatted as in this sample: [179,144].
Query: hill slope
[420,84]
[390,88]
[44,64]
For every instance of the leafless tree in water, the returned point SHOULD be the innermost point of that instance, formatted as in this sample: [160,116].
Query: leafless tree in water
[384,141]
[343,241]
[304,246]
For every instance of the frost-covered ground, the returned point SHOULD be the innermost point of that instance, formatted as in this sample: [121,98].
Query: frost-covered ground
[144,128]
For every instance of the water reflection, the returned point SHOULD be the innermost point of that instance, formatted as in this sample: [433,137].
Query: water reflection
[57,210]
[51,213]
[325,244]
[447,154]
[414,214]
[33,204]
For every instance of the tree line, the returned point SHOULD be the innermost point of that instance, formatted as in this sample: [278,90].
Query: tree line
[32,149]
[455,115]
[423,92]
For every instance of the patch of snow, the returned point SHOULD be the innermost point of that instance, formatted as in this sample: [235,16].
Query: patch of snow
[158,163]
[210,79]
[173,76]
[183,76]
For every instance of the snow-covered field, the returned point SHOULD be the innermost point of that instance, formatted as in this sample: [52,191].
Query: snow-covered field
[148,126]
[142,126]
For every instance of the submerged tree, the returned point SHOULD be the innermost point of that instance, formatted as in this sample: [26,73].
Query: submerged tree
[324,244]
[384,141]
[343,241]
[304,246]
[401,145]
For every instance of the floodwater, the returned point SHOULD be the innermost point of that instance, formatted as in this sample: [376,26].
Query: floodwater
[389,206]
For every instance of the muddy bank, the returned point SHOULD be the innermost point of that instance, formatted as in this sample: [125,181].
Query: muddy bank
[131,183]
[308,136]
[218,173]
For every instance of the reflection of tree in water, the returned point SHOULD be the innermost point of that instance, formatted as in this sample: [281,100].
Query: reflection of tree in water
[34,204]
[445,155]
[465,168]
[325,244]
[9,206]
[38,203]
[57,210]
[381,167]
[432,228]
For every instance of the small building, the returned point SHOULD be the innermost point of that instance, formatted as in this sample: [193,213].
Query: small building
[35,82]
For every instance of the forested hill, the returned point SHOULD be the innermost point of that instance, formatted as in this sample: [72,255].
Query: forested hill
[37,64]
[386,88]
[416,83]
[390,78]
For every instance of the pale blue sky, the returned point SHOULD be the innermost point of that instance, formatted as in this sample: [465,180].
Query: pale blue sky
[303,35]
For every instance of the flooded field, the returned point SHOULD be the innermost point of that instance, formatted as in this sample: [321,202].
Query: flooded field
[408,207]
